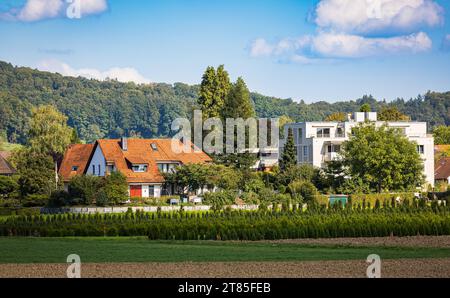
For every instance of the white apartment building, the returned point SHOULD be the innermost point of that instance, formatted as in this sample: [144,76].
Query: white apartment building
[320,142]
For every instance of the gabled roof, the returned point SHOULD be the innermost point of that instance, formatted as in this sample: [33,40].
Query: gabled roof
[5,166]
[442,169]
[142,151]
[139,151]
[77,155]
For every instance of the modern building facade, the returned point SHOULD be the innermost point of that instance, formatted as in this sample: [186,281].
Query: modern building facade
[320,142]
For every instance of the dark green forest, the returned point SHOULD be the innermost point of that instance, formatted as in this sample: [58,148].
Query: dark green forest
[110,109]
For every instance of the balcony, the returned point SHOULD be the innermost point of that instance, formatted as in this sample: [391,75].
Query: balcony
[330,156]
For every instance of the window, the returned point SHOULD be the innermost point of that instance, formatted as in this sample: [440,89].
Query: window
[75,168]
[323,132]
[166,167]
[337,148]
[110,168]
[93,169]
[421,149]
[305,153]
[154,147]
[340,132]
[99,172]
[299,135]
[151,191]
[139,168]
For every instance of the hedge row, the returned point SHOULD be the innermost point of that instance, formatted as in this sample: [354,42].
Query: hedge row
[237,225]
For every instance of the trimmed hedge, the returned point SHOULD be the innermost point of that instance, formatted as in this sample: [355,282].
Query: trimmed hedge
[239,225]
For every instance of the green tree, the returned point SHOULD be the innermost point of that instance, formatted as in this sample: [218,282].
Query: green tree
[283,120]
[116,188]
[391,114]
[238,103]
[339,116]
[383,158]
[74,138]
[8,187]
[36,172]
[365,108]
[302,190]
[83,189]
[189,177]
[289,155]
[214,90]
[441,135]
[49,133]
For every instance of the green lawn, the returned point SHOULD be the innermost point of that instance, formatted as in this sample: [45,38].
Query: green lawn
[55,250]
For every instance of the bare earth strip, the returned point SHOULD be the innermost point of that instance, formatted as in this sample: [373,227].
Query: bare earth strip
[390,268]
[411,241]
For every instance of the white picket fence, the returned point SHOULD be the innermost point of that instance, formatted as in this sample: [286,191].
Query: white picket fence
[93,210]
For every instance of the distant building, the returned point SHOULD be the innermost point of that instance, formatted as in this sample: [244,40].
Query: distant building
[442,172]
[320,142]
[5,167]
[142,161]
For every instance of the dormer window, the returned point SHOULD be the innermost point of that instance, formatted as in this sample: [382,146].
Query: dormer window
[154,147]
[75,168]
[139,168]
[167,167]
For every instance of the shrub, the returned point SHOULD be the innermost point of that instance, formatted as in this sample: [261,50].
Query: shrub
[116,187]
[302,190]
[83,189]
[102,199]
[8,187]
[59,198]
[219,199]
[35,200]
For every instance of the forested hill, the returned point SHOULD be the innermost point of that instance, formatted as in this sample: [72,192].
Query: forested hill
[112,109]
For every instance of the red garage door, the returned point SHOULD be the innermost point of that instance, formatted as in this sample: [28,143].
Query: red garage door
[136,191]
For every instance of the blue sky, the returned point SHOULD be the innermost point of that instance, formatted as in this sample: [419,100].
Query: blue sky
[303,49]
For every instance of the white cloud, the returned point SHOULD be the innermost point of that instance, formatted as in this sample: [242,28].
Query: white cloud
[36,10]
[125,74]
[262,48]
[350,46]
[309,49]
[347,28]
[365,16]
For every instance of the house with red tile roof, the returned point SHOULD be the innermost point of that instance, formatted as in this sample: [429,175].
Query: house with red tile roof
[442,170]
[5,167]
[142,161]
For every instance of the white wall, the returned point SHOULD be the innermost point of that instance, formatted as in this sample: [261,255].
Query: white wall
[97,159]
[415,131]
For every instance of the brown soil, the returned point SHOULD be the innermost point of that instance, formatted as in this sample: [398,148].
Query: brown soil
[411,241]
[390,268]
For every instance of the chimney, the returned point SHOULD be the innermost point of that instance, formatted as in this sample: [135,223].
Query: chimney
[124,143]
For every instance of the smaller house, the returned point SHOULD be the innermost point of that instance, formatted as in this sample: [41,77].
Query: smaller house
[442,171]
[5,167]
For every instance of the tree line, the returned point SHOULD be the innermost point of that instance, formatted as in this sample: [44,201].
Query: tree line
[110,109]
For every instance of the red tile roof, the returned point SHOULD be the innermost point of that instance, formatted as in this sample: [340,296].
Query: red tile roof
[5,166]
[140,151]
[77,155]
[442,169]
